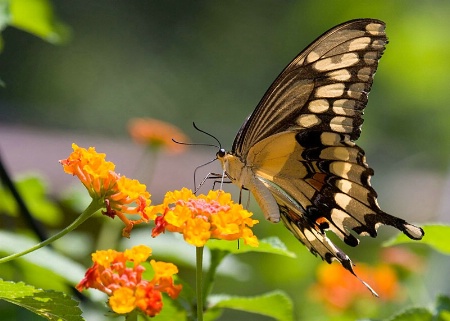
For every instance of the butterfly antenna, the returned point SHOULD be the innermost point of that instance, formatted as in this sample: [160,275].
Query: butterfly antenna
[210,135]
[193,144]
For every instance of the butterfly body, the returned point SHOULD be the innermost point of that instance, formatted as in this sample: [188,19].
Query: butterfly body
[296,152]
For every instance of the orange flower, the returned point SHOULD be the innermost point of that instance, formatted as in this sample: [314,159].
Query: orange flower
[202,217]
[157,134]
[341,290]
[120,195]
[119,274]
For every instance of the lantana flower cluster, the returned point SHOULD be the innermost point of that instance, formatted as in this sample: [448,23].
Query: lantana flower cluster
[157,134]
[202,217]
[198,218]
[120,195]
[119,275]
[340,290]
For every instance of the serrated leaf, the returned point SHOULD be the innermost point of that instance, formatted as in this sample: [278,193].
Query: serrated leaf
[52,305]
[436,236]
[413,314]
[11,290]
[271,245]
[273,304]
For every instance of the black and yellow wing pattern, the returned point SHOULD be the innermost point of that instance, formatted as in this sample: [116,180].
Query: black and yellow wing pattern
[296,151]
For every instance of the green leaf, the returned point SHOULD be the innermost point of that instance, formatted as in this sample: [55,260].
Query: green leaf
[171,311]
[271,245]
[4,15]
[273,304]
[443,308]
[51,305]
[413,314]
[212,314]
[440,313]
[33,192]
[37,17]
[436,236]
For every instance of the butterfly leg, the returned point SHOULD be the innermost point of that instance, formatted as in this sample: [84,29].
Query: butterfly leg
[218,178]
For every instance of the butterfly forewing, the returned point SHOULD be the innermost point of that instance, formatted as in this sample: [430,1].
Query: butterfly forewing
[325,87]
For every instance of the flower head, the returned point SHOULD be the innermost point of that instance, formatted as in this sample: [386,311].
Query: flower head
[119,274]
[120,195]
[156,134]
[340,290]
[202,217]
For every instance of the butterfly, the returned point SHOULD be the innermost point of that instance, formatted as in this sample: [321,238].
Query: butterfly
[296,153]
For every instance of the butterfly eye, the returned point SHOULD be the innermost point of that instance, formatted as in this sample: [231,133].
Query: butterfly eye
[221,153]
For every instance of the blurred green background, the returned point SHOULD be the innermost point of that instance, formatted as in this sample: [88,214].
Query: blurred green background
[210,62]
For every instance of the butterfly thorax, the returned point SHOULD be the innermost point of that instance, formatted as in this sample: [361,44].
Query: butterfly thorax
[244,176]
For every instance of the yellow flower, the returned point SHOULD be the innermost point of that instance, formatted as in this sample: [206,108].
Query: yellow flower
[202,217]
[119,274]
[157,134]
[120,195]
[138,254]
[163,269]
[123,300]
[197,231]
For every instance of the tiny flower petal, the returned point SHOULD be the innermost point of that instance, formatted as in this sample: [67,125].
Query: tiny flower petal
[138,254]
[197,231]
[122,301]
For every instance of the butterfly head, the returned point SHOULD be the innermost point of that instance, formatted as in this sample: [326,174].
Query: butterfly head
[221,154]
[232,166]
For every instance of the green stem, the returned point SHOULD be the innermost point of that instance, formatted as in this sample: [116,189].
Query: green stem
[199,279]
[216,258]
[90,210]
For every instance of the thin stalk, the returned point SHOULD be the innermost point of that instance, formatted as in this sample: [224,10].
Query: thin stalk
[216,258]
[199,281]
[90,210]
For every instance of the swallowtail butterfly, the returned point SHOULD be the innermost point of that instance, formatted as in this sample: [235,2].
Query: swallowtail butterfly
[296,151]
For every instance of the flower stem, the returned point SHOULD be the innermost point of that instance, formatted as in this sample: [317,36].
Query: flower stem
[199,281]
[216,258]
[90,210]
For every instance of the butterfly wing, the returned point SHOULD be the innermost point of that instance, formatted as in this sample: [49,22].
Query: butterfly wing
[321,181]
[324,87]
[299,141]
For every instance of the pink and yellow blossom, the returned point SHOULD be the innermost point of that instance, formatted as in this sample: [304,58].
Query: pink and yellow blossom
[200,218]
